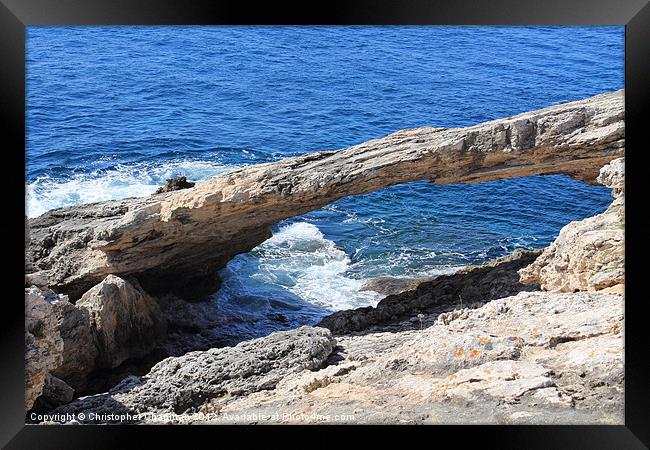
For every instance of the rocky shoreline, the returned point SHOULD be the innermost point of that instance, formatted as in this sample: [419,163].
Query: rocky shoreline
[534,337]
[175,242]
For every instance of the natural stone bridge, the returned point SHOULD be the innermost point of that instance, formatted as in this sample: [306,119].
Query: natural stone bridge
[177,241]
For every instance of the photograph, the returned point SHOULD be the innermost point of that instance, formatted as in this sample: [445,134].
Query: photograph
[342,224]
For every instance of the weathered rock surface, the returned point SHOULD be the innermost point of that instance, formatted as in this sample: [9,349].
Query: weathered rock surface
[43,343]
[79,347]
[588,255]
[176,241]
[125,321]
[535,357]
[184,384]
[532,358]
[496,279]
[113,322]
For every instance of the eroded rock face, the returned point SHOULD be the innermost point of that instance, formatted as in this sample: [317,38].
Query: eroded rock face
[126,322]
[588,255]
[184,384]
[176,241]
[43,343]
[113,322]
[79,347]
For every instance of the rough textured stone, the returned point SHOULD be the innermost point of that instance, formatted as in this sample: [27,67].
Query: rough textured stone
[177,240]
[126,322]
[535,357]
[113,322]
[184,384]
[391,285]
[588,255]
[43,343]
[79,348]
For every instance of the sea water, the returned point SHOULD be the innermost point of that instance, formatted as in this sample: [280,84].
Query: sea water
[112,112]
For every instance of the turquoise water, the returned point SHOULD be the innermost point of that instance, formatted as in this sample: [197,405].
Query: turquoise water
[114,111]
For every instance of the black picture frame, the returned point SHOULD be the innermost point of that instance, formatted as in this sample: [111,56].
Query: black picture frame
[16,15]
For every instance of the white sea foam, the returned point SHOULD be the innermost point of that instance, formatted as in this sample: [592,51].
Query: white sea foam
[125,180]
[303,262]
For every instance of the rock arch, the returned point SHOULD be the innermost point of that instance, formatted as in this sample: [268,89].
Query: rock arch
[176,241]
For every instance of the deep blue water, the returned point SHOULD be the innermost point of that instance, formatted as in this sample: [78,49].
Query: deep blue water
[114,111]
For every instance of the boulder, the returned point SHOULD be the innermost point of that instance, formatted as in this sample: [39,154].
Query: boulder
[113,322]
[587,255]
[391,285]
[56,392]
[125,321]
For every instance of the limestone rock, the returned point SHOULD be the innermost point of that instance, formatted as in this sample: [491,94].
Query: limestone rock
[588,255]
[43,343]
[79,346]
[126,322]
[113,322]
[176,241]
[613,175]
[184,384]
[536,358]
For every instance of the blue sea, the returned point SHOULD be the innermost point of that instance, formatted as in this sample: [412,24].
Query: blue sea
[112,112]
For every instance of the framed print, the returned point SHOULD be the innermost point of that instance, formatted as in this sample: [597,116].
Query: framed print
[363,215]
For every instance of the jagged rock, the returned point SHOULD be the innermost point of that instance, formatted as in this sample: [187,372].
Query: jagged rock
[613,176]
[43,343]
[469,285]
[175,184]
[126,322]
[176,241]
[588,255]
[184,384]
[112,322]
